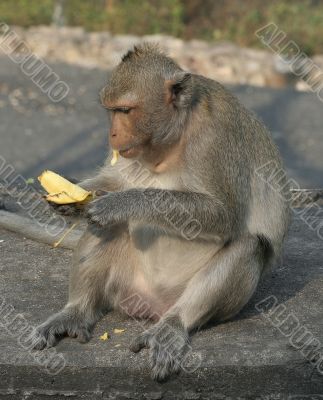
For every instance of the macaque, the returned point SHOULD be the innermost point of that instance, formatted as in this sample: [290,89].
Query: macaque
[187,224]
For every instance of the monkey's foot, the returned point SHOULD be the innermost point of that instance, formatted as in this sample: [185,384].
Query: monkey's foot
[168,342]
[59,326]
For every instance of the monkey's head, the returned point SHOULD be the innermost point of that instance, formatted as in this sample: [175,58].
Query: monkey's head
[148,97]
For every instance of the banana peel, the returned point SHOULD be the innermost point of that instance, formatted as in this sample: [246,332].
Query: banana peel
[62,191]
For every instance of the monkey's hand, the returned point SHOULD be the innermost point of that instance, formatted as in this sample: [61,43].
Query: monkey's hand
[74,209]
[68,210]
[107,209]
[168,344]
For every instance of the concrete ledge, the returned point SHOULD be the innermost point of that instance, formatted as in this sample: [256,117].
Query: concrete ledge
[249,357]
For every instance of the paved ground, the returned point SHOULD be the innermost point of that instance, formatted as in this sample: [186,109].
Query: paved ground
[70,137]
[246,358]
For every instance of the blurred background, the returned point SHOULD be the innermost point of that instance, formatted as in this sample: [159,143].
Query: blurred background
[79,41]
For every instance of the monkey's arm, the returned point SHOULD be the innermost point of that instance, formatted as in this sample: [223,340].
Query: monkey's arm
[105,180]
[100,183]
[184,213]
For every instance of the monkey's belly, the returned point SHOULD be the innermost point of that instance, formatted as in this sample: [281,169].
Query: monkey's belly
[168,261]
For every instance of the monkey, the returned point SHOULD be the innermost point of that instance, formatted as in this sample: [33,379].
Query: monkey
[186,226]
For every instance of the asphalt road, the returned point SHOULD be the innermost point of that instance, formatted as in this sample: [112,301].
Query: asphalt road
[70,137]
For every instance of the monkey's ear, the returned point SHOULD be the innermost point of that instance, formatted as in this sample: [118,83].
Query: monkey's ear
[179,90]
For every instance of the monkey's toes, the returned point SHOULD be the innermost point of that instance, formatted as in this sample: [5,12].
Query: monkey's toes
[163,363]
[164,360]
[43,338]
[83,335]
[40,344]
[48,335]
[140,342]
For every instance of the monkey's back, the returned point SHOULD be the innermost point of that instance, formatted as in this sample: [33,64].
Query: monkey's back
[238,163]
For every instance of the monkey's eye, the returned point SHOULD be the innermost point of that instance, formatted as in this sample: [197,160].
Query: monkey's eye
[124,110]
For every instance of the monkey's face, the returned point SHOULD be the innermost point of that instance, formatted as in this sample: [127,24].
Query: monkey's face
[145,108]
[125,133]
[135,123]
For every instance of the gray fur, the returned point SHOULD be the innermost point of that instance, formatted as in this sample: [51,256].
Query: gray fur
[210,148]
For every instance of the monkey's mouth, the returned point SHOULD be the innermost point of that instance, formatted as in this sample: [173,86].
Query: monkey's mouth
[131,152]
[134,149]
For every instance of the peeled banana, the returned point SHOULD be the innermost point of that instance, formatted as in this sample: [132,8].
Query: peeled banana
[60,190]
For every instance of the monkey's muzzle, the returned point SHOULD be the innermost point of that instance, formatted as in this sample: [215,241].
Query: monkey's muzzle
[131,152]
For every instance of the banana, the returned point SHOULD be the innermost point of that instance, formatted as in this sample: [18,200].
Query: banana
[60,190]
[115,156]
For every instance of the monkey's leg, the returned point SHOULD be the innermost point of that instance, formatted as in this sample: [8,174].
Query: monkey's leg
[219,290]
[90,277]
[105,180]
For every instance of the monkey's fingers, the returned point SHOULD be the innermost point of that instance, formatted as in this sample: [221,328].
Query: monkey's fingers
[68,210]
[98,211]
[74,209]
[44,338]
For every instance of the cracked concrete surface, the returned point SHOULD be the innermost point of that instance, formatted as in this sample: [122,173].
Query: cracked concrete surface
[247,356]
